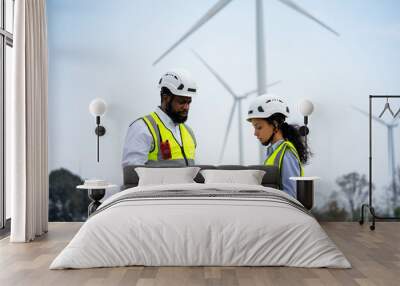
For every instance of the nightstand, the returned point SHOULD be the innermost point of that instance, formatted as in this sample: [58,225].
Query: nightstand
[95,193]
[305,190]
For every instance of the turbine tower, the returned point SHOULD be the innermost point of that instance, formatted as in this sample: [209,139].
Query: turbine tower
[260,42]
[237,100]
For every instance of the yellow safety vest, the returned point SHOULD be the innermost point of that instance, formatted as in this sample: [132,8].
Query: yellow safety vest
[275,159]
[180,155]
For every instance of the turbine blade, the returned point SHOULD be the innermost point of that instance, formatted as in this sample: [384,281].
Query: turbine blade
[227,130]
[302,11]
[373,116]
[246,94]
[210,13]
[216,75]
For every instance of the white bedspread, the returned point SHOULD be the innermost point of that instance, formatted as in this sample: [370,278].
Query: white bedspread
[200,231]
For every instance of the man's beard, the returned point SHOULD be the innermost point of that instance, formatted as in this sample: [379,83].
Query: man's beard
[175,116]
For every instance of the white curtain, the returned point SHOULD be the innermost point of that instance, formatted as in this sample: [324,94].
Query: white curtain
[28,159]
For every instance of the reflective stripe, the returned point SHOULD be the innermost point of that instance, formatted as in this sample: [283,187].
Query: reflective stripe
[276,158]
[191,134]
[296,154]
[180,155]
[188,143]
[155,134]
[279,156]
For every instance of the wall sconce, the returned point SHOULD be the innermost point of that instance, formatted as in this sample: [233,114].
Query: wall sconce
[97,108]
[306,107]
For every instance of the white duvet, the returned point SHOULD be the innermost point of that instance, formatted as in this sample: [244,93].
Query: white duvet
[226,231]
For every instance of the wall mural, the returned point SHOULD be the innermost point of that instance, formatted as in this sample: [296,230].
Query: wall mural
[119,52]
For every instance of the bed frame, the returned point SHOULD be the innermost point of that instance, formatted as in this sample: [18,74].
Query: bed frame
[270,179]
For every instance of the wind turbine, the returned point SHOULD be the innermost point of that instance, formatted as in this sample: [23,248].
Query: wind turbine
[237,100]
[391,154]
[260,42]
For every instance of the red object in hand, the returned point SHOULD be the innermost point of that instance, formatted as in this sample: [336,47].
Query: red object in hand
[165,150]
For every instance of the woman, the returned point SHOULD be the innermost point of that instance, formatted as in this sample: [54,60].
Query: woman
[285,146]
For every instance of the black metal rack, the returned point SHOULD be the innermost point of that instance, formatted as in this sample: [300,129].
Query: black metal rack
[369,205]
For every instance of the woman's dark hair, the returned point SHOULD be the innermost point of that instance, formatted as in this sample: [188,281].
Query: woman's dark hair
[291,133]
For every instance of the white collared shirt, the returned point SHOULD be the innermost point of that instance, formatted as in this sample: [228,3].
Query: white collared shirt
[139,141]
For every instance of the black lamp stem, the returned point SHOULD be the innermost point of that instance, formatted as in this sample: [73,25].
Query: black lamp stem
[305,139]
[98,124]
[305,135]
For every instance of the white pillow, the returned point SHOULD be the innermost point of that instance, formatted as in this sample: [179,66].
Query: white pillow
[165,176]
[248,177]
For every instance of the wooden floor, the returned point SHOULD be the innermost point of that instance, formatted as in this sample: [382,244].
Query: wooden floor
[374,255]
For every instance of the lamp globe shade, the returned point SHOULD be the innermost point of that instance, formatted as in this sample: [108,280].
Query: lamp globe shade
[97,107]
[306,107]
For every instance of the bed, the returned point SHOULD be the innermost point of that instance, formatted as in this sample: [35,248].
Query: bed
[201,224]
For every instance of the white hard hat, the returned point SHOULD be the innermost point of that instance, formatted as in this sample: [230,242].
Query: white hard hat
[179,82]
[266,105]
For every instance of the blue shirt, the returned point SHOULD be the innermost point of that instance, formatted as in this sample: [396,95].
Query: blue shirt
[290,168]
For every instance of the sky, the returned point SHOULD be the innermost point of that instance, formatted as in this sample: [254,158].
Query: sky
[106,49]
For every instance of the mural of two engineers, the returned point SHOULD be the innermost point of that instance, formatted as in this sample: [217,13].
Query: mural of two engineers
[303,52]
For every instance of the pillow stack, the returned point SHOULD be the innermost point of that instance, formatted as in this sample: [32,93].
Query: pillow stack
[166,176]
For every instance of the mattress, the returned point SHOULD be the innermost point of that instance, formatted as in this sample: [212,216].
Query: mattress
[201,225]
